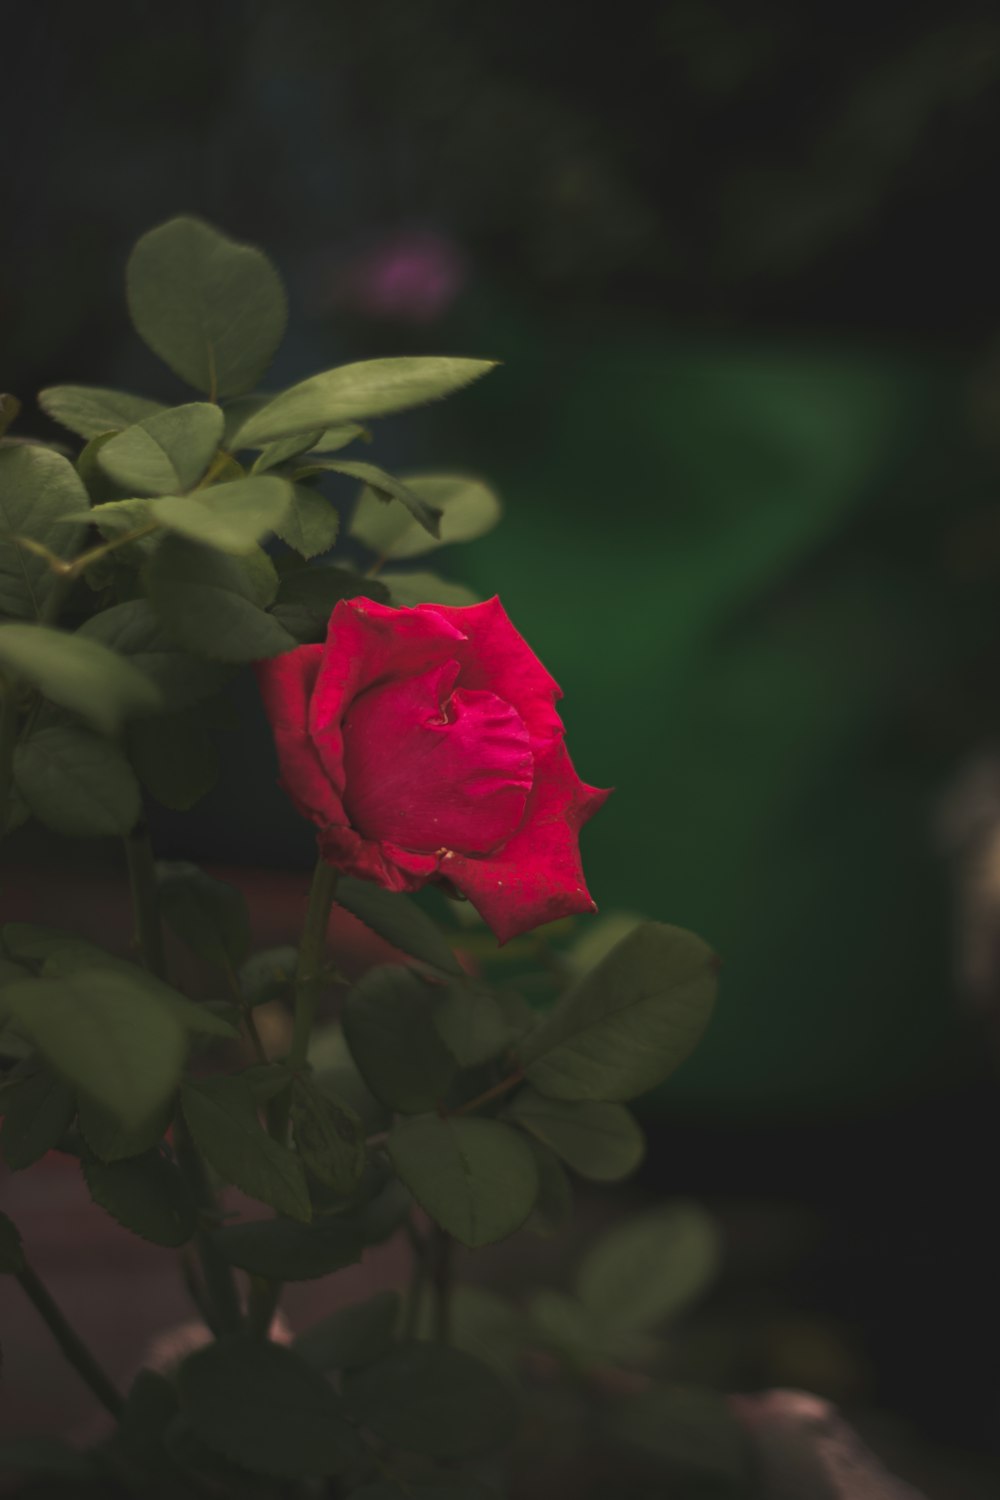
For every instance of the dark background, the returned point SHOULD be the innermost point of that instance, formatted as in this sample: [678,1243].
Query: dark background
[740,264]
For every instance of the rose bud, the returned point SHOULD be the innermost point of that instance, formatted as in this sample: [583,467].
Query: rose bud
[425,745]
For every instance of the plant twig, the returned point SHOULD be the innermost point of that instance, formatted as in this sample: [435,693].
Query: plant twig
[70,1342]
[309,972]
[488,1095]
[220,1282]
[310,976]
[145,902]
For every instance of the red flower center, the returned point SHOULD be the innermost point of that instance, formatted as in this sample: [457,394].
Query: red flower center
[432,767]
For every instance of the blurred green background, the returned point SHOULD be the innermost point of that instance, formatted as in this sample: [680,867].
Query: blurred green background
[740,270]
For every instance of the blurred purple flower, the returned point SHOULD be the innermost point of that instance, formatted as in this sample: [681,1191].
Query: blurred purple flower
[413,277]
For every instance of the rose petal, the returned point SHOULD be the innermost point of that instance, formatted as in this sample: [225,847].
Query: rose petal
[365,643]
[429,768]
[499,659]
[369,860]
[286,686]
[537,876]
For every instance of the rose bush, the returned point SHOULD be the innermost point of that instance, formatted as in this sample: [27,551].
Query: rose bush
[425,745]
[423,1102]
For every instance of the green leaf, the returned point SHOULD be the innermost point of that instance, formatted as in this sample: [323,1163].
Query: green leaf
[332,439]
[268,975]
[145,1194]
[267,1080]
[427,1398]
[471,1024]
[212,309]
[352,1336]
[218,1475]
[175,757]
[113,518]
[334,1067]
[307,597]
[310,525]
[265,1408]
[38,490]
[597,938]
[467,507]
[650,1268]
[409,589]
[387,1211]
[222,1116]
[553,1210]
[385,488]
[78,673]
[238,411]
[63,955]
[329,1136]
[598,1140]
[484,1324]
[133,630]
[280,452]
[76,783]
[399,921]
[108,1034]
[562,1324]
[44,1458]
[388,1023]
[10,409]
[285,1251]
[371,388]
[38,1111]
[149,1408]
[11,1254]
[476,1178]
[628,1024]
[89,410]
[112,1141]
[261,576]
[99,487]
[208,915]
[694,1438]
[165,454]
[33,944]
[231,517]
[206,602]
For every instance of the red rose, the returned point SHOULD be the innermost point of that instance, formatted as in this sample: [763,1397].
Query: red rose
[425,745]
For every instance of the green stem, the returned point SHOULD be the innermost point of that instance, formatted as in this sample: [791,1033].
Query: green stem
[312,959]
[309,981]
[488,1095]
[220,1282]
[145,903]
[246,1012]
[70,1342]
[59,587]
[226,1315]
[8,737]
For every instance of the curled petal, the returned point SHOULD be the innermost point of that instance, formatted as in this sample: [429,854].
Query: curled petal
[537,875]
[499,659]
[286,686]
[367,643]
[367,859]
[429,768]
